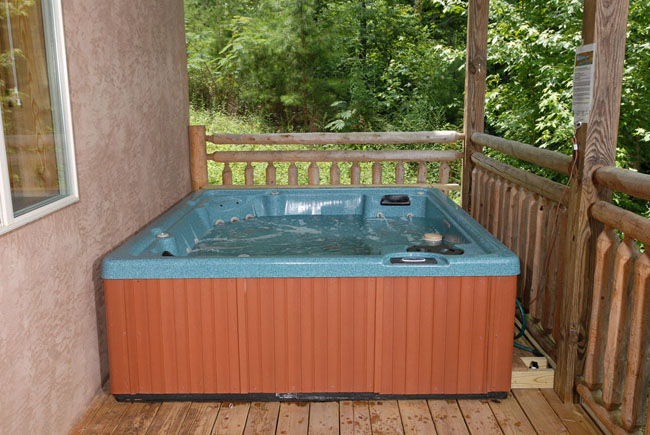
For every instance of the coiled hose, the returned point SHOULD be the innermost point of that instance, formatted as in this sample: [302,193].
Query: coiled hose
[521,332]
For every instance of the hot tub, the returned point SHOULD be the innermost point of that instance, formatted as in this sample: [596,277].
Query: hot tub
[323,293]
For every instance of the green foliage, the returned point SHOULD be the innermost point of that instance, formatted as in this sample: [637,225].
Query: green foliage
[361,65]
[346,65]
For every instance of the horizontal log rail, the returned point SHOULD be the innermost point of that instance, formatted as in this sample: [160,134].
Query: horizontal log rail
[337,138]
[335,156]
[624,180]
[540,185]
[631,224]
[553,160]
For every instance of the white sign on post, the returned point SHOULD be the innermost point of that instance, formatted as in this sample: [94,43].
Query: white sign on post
[583,82]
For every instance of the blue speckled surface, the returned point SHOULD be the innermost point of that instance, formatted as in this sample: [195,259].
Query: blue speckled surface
[188,223]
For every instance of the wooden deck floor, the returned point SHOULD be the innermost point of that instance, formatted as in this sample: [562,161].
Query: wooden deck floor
[524,411]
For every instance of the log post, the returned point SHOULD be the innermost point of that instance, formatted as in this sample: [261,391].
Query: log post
[604,23]
[475,75]
[198,157]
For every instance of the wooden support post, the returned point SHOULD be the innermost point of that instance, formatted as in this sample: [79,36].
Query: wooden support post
[198,159]
[604,23]
[475,75]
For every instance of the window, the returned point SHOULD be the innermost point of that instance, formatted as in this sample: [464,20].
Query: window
[37,169]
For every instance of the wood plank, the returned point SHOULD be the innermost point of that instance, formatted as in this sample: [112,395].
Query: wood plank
[510,416]
[572,416]
[318,138]
[293,418]
[479,417]
[599,319]
[385,418]
[324,418]
[638,360]
[539,412]
[605,24]
[619,321]
[262,418]
[169,418]
[200,418]
[540,378]
[87,417]
[232,418]
[138,418]
[355,418]
[416,417]
[108,417]
[475,75]
[447,417]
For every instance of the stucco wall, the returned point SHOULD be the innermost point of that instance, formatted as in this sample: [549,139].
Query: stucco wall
[128,83]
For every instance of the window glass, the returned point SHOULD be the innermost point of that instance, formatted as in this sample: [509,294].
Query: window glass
[31,105]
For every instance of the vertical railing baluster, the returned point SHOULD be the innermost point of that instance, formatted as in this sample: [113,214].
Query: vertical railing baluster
[270,174]
[638,365]
[399,173]
[249,174]
[335,174]
[293,174]
[616,349]
[376,173]
[355,173]
[443,173]
[226,175]
[422,173]
[313,174]
[606,245]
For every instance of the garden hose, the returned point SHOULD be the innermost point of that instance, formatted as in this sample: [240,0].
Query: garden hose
[521,332]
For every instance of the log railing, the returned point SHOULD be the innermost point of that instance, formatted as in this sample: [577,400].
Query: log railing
[617,363]
[200,157]
[528,213]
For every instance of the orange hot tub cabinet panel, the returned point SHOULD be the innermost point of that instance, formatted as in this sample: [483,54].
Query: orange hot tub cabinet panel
[396,336]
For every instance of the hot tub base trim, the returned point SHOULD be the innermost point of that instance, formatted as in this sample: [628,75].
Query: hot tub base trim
[300,397]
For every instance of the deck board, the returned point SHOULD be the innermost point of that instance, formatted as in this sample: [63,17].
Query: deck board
[232,418]
[137,419]
[479,417]
[512,419]
[354,418]
[574,418]
[262,418]
[539,412]
[525,411]
[385,418]
[447,417]
[293,418]
[416,417]
[324,418]
[200,418]
[169,418]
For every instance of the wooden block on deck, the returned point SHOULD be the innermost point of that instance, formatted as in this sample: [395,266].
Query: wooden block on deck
[525,377]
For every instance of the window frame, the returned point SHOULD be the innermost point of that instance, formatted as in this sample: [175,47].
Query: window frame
[57,56]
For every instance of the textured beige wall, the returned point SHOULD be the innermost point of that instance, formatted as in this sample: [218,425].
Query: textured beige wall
[128,83]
